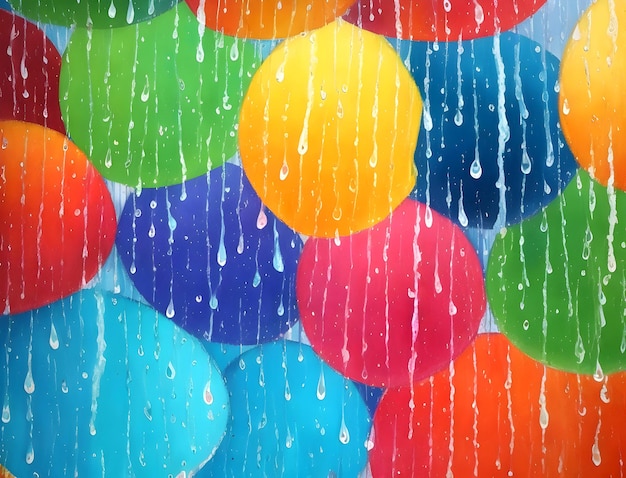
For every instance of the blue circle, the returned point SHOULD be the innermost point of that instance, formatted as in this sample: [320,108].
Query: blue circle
[491,151]
[209,256]
[97,384]
[292,415]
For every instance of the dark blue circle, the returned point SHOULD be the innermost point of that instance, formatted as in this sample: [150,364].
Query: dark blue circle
[494,100]
[207,255]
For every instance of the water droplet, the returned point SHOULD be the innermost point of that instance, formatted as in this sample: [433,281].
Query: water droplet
[54,339]
[284,171]
[261,220]
[598,375]
[526,165]
[257,279]
[579,349]
[29,384]
[147,410]
[344,434]
[170,372]
[321,386]
[30,454]
[476,170]
[169,312]
[595,454]
[112,10]
[6,410]
[289,439]
[213,303]
[207,395]
[221,251]
[287,391]
[130,13]
[234,51]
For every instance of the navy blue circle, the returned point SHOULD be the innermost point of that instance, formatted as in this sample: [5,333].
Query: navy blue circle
[490,142]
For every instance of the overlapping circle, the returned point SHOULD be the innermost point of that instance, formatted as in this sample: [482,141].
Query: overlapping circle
[394,303]
[57,222]
[328,130]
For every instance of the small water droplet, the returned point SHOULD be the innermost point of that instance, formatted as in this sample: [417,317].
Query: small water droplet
[29,384]
[170,372]
[169,312]
[54,339]
[344,434]
[207,395]
[476,170]
[598,375]
[112,10]
[30,454]
[321,386]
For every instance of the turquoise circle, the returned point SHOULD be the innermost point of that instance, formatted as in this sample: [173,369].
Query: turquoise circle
[99,385]
[292,415]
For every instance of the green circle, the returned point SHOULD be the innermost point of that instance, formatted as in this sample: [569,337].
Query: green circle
[91,13]
[155,103]
[556,282]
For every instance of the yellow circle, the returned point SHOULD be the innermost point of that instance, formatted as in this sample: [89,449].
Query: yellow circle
[592,100]
[328,130]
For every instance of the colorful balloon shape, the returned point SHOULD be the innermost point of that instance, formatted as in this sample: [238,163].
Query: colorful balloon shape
[497,413]
[92,13]
[57,222]
[291,415]
[104,386]
[555,282]
[492,152]
[328,129]
[394,303]
[29,74]
[591,101]
[156,103]
[450,20]
[268,19]
[208,255]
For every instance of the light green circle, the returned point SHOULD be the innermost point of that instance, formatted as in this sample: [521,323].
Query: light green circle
[556,282]
[91,13]
[155,103]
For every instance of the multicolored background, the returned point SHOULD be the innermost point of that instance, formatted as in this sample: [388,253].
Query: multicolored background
[312,238]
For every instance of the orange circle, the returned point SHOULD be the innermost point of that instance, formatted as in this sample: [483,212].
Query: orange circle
[591,99]
[328,131]
[497,413]
[267,19]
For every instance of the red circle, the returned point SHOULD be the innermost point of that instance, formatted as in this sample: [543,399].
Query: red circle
[29,74]
[393,303]
[57,221]
[444,20]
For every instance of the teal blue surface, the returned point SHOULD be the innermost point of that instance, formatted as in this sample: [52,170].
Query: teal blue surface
[97,385]
[292,416]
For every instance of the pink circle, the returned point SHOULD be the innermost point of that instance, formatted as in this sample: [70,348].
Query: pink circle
[394,303]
